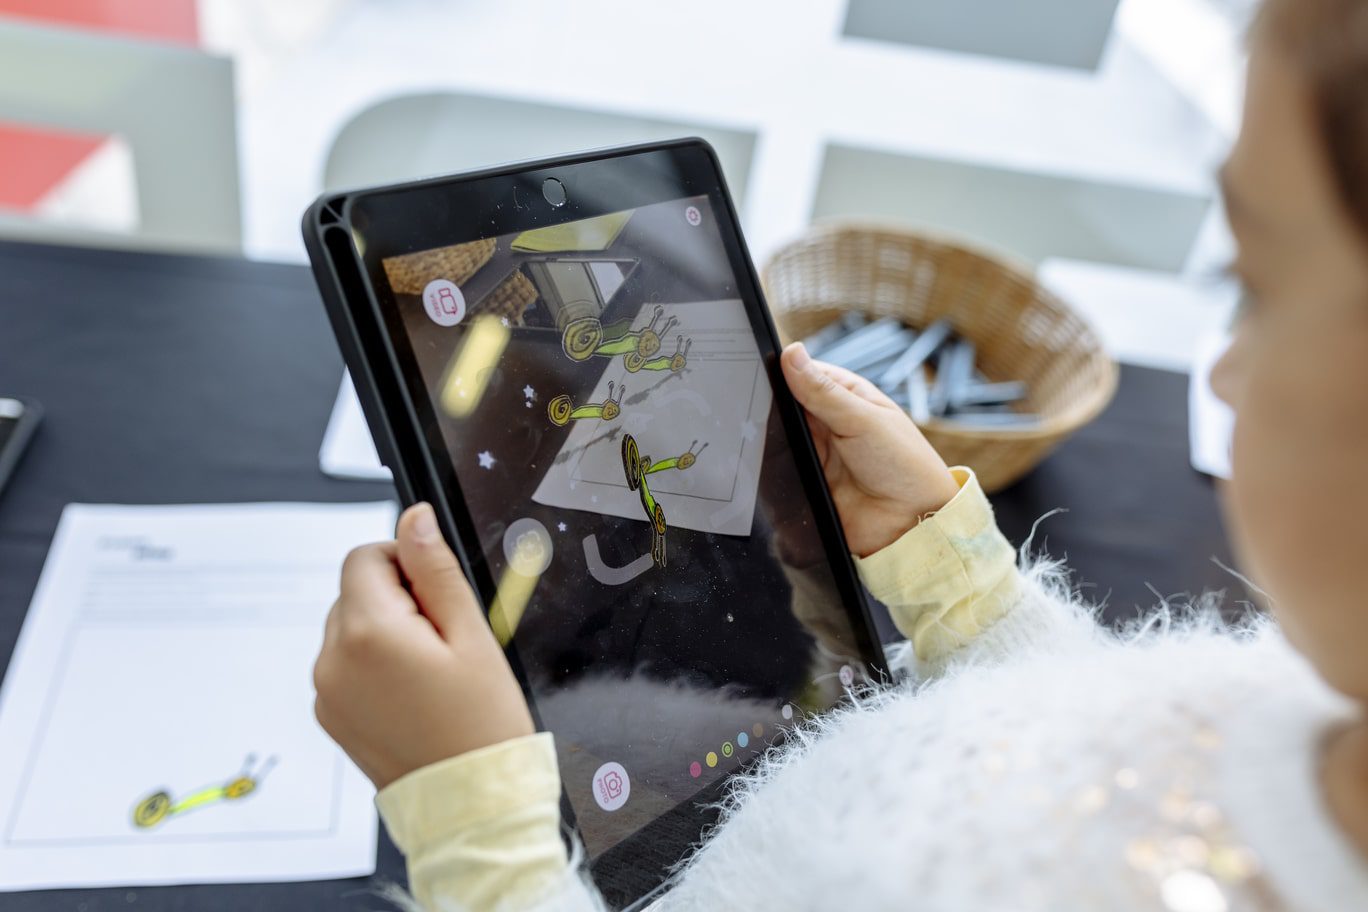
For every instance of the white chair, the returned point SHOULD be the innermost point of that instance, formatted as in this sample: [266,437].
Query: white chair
[414,136]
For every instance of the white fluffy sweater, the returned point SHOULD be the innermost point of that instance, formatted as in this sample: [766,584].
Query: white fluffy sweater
[1040,764]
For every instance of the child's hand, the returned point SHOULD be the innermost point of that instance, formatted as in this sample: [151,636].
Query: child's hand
[884,476]
[410,672]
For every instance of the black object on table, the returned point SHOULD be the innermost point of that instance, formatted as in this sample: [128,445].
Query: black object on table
[172,379]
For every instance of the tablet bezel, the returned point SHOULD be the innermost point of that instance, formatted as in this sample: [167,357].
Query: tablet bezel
[405,218]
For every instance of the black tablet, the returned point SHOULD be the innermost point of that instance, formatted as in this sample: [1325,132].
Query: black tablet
[572,360]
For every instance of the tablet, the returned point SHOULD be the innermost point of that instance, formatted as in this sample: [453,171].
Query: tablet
[572,360]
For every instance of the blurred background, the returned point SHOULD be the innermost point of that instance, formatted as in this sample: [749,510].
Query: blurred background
[1081,136]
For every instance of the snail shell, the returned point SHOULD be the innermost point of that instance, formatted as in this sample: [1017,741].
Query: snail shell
[581,338]
[559,409]
[649,343]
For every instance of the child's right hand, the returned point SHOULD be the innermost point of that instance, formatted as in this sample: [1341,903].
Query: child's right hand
[883,475]
[410,672]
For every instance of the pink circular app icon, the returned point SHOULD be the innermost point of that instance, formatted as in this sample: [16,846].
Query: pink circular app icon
[611,786]
[444,303]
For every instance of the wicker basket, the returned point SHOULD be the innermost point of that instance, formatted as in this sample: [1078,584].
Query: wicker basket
[410,273]
[1022,331]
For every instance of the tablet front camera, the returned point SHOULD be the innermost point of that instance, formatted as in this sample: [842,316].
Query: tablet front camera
[554,191]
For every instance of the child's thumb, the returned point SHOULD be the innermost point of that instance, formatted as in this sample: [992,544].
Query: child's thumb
[818,391]
[433,573]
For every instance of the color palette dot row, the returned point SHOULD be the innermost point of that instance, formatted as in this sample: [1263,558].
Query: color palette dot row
[728,748]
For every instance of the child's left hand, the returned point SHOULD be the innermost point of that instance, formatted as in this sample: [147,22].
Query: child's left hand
[883,475]
[410,672]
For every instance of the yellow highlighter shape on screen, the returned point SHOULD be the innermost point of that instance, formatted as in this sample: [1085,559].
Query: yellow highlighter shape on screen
[596,233]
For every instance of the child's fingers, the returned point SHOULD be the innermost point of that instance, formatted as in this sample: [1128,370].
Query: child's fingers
[819,390]
[857,384]
[433,571]
[330,624]
[371,584]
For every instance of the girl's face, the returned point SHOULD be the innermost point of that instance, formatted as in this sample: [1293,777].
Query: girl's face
[1297,377]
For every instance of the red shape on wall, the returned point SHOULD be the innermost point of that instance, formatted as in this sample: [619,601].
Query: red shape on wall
[37,159]
[174,21]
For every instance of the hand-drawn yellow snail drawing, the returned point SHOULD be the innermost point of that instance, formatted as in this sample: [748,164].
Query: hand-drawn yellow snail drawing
[562,410]
[159,805]
[581,338]
[674,363]
[587,336]
[635,467]
[681,462]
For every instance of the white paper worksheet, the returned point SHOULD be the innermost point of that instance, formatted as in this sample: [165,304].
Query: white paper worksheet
[156,723]
[347,450]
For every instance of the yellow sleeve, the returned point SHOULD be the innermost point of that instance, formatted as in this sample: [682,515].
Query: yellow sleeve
[482,829]
[950,577]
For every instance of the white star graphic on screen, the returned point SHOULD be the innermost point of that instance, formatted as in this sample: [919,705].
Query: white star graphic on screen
[504,321]
[487,460]
[561,526]
[528,403]
[529,392]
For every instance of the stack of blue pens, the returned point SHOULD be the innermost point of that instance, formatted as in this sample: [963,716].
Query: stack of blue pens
[896,359]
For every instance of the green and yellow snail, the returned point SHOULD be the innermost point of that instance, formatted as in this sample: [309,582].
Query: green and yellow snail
[562,409]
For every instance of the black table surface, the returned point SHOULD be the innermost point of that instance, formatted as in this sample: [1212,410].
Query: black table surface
[173,379]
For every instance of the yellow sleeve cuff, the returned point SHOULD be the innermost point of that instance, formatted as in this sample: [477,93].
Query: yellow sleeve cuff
[480,828]
[950,577]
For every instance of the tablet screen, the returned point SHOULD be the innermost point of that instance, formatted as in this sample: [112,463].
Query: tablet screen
[660,580]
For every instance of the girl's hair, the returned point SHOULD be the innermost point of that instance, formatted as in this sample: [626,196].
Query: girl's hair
[1328,42]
